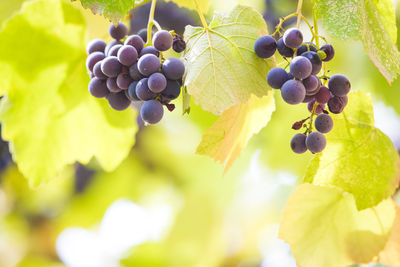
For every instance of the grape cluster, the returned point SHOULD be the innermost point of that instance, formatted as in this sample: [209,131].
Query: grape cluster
[303,85]
[126,70]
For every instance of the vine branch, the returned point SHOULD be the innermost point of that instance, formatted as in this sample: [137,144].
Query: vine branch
[298,12]
[202,18]
[151,22]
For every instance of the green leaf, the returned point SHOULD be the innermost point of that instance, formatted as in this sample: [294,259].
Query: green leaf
[47,114]
[113,10]
[8,8]
[371,21]
[324,228]
[222,68]
[191,4]
[358,158]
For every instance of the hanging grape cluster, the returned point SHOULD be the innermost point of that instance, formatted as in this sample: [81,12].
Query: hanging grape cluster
[126,70]
[303,85]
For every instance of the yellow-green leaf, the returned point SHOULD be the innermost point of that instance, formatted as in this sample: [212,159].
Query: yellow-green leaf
[113,10]
[390,255]
[226,138]
[324,228]
[222,68]
[47,113]
[358,158]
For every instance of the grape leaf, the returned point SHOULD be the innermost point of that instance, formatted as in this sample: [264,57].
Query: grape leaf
[371,21]
[8,8]
[390,255]
[358,158]
[222,68]
[47,114]
[324,228]
[191,4]
[113,10]
[226,138]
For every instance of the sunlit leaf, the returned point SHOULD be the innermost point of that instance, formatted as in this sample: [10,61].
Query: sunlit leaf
[113,10]
[390,255]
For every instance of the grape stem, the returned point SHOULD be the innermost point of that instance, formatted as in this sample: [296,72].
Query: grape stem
[315,22]
[203,20]
[282,20]
[298,12]
[151,22]
[309,129]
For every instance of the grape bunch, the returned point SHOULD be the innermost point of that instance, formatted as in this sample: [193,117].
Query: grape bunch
[128,70]
[303,85]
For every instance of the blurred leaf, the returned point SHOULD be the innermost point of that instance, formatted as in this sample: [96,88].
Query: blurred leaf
[48,116]
[358,158]
[8,8]
[226,138]
[390,255]
[191,4]
[38,261]
[222,68]
[324,228]
[371,21]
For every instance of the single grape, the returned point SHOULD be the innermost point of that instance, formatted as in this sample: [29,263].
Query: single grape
[300,67]
[179,45]
[111,67]
[312,85]
[135,73]
[118,31]
[308,46]
[172,91]
[308,98]
[315,60]
[293,38]
[318,109]
[127,55]
[315,142]
[265,46]
[277,77]
[148,64]
[97,71]
[110,45]
[298,143]
[114,50]
[329,52]
[96,45]
[143,34]
[152,111]
[339,85]
[136,41]
[162,40]
[131,92]
[118,101]
[112,85]
[283,49]
[142,90]
[173,68]
[323,95]
[98,88]
[337,103]
[323,123]
[293,92]
[123,81]
[149,50]
[157,82]
[93,58]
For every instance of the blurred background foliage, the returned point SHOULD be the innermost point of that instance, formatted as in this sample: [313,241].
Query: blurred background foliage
[196,215]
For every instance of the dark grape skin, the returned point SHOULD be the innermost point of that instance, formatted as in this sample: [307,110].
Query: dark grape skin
[179,45]
[162,40]
[97,71]
[315,60]
[308,98]
[127,55]
[298,143]
[136,41]
[93,58]
[319,108]
[312,85]
[111,67]
[283,49]
[323,123]
[265,46]
[98,88]
[110,45]
[304,48]
[142,90]
[293,38]
[173,68]
[276,77]
[112,85]
[114,50]
[149,50]
[336,104]
[132,91]
[339,85]
[157,82]
[293,92]
[123,81]
[148,64]
[135,73]
[300,67]
[323,95]
[172,91]
[329,52]
[118,101]
[95,45]
[316,142]
[119,31]
[152,111]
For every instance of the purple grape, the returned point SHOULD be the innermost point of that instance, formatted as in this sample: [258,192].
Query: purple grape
[114,50]
[318,109]
[308,98]
[110,45]
[162,40]
[127,55]
[91,75]
[123,81]
[283,49]
[98,88]
[149,50]
[136,41]
[112,85]
[142,90]
[265,46]
[277,77]
[157,82]
[304,48]
[143,34]
[315,142]
[329,52]
[293,38]
[337,103]
[95,45]
[312,85]
[323,123]
[323,95]
[172,91]
[135,73]
[148,64]
[97,71]
[179,45]
[339,85]
[111,67]
[298,143]
[173,68]
[118,101]
[131,92]
[152,111]
[300,67]
[293,92]
[93,58]
[315,60]
[119,31]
